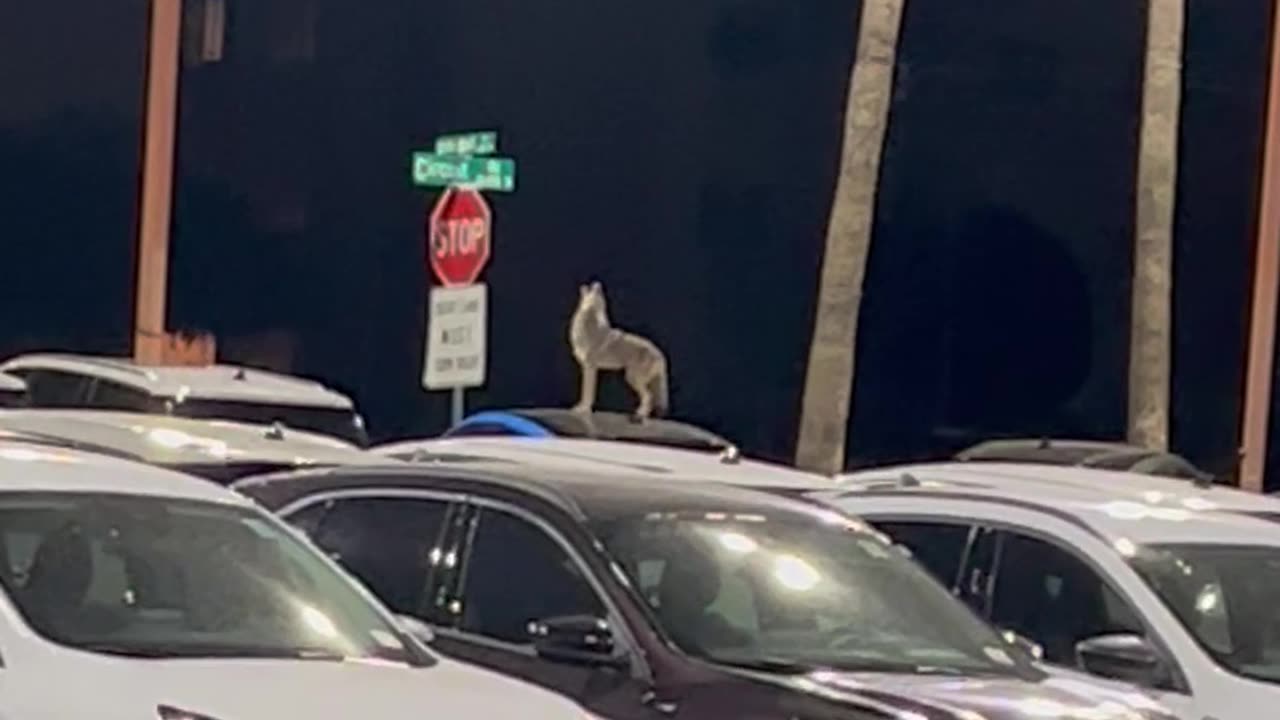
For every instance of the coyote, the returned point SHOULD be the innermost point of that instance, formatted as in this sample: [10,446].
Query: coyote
[599,346]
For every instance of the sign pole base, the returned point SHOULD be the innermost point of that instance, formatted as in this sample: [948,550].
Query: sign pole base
[459,405]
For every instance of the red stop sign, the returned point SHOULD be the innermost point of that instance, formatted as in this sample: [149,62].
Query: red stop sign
[458,237]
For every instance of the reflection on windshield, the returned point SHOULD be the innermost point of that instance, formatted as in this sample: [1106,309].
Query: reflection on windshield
[1227,597]
[790,596]
[154,577]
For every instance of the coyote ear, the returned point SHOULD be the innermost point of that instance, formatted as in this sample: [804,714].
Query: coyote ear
[596,287]
[582,290]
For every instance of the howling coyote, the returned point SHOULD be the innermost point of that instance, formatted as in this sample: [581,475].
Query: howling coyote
[598,346]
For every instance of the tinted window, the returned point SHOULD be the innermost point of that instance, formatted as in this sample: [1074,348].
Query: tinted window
[516,574]
[47,388]
[1052,597]
[937,546]
[308,518]
[114,396]
[975,587]
[386,543]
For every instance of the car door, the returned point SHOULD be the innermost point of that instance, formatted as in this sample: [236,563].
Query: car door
[516,569]
[1046,592]
[1043,576]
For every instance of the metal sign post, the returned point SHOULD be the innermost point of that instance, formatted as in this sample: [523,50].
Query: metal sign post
[459,243]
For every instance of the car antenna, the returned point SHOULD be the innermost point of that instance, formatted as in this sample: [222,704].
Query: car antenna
[909,480]
[241,374]
[275,432]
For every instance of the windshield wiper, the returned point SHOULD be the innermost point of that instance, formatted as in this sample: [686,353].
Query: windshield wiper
[195,652]
[769,664]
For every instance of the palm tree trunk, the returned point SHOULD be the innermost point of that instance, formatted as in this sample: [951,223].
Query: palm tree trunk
[1152,312]
[829,381]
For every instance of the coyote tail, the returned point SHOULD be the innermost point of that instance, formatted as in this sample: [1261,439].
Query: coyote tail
[661,392]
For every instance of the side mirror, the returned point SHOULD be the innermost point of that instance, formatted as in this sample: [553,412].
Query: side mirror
[416,629]
[1125,657]
[1024,644]
[576,640]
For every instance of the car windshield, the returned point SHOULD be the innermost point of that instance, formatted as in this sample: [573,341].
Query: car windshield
[773,595]
[167,578]
[334,422]
[1227,597]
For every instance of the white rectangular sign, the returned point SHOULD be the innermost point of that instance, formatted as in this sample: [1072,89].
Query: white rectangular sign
[457,326]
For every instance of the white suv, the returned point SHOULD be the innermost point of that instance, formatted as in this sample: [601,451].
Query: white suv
[216,392]
[128,592]
[1160,582]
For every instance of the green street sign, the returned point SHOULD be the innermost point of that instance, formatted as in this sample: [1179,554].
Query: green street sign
[482,173]
[477,143]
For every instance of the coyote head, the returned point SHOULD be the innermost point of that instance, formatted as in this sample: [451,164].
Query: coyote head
[591,299]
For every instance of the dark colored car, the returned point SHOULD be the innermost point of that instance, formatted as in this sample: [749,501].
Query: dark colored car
[1090,454]
[686,600]
[566,423]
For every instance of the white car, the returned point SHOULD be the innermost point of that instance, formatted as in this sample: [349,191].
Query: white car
[226,392]
[217,450]
[1159,582]
[131,592]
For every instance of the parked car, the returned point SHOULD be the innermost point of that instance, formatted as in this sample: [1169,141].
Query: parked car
[131,592]
[658,461]
[213,449]
[1150,580]
[686,599]
[1089,454]
[223,392]
[599,425]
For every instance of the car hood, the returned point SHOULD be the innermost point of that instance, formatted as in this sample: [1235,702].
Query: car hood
[940,697]
[307,690]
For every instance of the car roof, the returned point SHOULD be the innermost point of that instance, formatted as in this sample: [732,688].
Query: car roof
[1118,505]
[601,425]
[230,383]
[177,441]
[11,383]
[37,467]
[1088,453]
[614,457]
[587,495]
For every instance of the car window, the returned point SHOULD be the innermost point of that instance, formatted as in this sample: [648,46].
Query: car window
[52,389]
[385,542]
[981,556]
[516,574]
[758,591]
[308,518]
[107,395]
[1049,595]
[1226,596]
[938,546]
[154,577]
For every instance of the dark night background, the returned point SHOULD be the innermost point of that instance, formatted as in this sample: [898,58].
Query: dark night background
[684,153]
